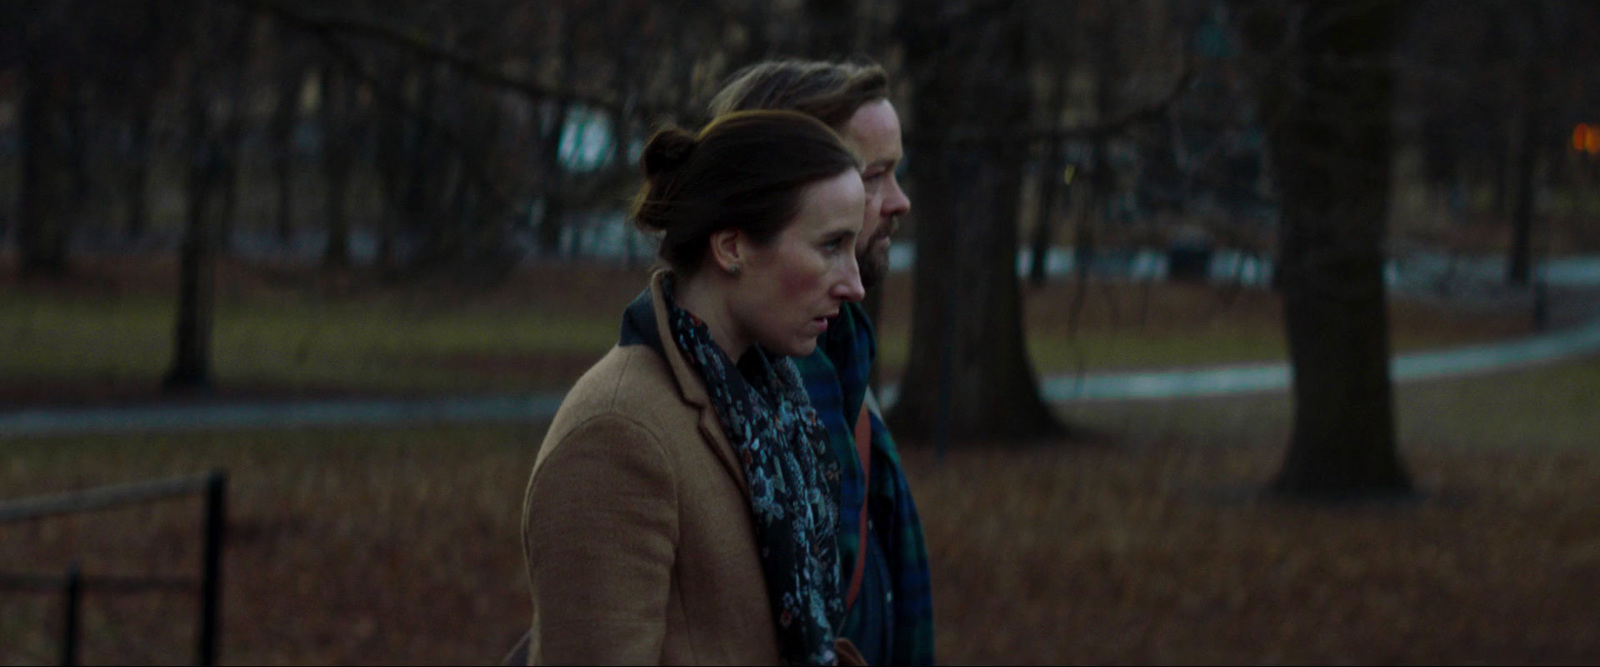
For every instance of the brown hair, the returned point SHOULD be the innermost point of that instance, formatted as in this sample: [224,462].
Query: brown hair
[745,170]
[828,91]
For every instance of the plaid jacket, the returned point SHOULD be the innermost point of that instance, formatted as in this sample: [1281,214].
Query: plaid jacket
[836,378]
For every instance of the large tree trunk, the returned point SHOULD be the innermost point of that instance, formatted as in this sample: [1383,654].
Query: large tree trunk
[969,376]
[1332,154]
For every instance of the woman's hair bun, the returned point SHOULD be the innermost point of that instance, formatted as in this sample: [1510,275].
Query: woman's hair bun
[668,150]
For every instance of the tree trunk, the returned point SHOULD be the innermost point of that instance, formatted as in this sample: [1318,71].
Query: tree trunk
[969,376]
[44,196]
[1332,155]
[1519,265]
[191,358]
[138,176]
[392,152]
[1503,151]
[336,161]
[1049,190]
[425,173]
[230,161]
[552,220]
[280,129]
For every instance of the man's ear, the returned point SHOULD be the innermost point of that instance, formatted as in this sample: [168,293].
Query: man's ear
[727,249]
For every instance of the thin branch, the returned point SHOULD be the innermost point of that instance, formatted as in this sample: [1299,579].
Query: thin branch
[471,161]
[967,136]
[414,41]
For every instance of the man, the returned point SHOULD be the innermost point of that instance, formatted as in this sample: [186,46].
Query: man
[881,549]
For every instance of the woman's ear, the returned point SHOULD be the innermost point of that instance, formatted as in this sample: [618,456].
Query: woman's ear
[727,250]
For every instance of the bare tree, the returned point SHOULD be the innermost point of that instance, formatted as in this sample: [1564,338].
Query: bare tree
[1329,100]
[191,357]
[968,376]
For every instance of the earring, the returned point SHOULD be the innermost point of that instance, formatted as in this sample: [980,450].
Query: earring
[733,269]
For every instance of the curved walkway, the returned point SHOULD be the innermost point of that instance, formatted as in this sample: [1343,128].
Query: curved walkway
[1181,383]
[1249,378]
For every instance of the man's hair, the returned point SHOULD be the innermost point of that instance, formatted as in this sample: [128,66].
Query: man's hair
[828,91]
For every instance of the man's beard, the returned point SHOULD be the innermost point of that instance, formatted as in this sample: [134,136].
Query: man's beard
[874,266]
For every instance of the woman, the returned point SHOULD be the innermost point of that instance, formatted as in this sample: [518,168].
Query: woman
[681,507]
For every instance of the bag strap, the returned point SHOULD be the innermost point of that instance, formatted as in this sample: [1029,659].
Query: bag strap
[864,453]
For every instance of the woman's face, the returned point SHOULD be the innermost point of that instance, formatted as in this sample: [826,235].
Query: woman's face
[790,288]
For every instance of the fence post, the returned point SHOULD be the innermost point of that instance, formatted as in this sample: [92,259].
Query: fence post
[216,521]
[73,593]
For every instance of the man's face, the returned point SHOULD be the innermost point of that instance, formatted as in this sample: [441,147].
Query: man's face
[874,133]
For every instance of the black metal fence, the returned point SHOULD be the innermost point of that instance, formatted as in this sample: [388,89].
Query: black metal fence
[73,584]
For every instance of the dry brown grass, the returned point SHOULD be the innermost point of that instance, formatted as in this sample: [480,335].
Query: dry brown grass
[346,547]
[1157,555]
[399,546]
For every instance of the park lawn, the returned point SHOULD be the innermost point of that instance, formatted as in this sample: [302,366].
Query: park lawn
[1142,544]
[1147,326]
[113,337]
[108,336]
[352,345]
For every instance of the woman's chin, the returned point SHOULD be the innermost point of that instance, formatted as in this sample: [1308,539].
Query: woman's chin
[799,348]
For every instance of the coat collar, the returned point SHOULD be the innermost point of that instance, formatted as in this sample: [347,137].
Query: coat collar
[645,322]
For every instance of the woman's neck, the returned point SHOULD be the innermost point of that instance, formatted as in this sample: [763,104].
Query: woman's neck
[706,300]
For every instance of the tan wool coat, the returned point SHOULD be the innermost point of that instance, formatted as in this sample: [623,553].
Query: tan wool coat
[636,524]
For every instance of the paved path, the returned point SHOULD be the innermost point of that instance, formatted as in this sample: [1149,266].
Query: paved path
[1249,378]
[1182,383]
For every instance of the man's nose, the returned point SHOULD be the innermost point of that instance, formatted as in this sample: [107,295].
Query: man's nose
[895,202]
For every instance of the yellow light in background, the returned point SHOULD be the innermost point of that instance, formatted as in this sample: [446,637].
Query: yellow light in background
[1066,176]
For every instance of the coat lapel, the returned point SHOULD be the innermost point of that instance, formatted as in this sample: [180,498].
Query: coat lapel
[693,388]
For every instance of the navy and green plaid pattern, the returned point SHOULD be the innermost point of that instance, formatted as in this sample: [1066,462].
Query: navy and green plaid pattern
[836,379]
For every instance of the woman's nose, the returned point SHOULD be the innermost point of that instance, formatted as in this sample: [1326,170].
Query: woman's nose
[849,288]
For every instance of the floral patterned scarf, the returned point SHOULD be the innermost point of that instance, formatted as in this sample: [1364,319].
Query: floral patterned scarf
[793,480]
